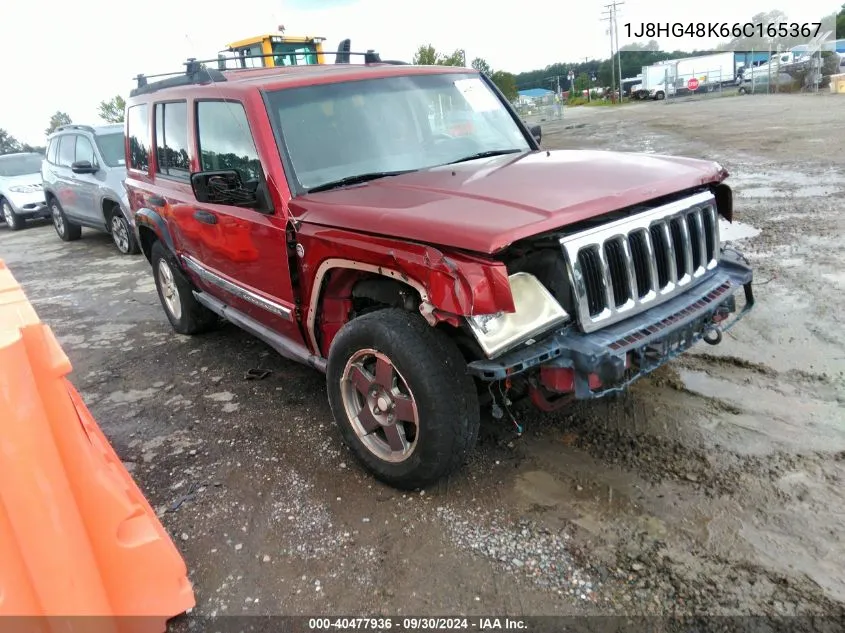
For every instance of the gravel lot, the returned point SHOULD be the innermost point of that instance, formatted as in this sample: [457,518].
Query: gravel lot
[713,487]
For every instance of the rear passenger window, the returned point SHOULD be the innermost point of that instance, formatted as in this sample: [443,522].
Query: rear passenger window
[139,133]
[171,121]
[53,151]
[224,139]
[67,150]
[84,150]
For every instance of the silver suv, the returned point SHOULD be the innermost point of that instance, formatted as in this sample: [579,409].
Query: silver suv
[83,183]
[20,189]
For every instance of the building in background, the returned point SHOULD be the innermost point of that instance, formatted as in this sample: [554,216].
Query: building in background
[535,96]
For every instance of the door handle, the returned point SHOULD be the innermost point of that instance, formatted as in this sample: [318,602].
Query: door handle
[156,201]
[206,217]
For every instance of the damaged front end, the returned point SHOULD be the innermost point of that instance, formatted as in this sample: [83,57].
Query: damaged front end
[601,306]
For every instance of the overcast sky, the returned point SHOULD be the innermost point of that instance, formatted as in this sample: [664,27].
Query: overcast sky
[70,56]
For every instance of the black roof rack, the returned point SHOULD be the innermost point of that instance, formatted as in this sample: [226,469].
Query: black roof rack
[74,126]
[197,72]
[341,57]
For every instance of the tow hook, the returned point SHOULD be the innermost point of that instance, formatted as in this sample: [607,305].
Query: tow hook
[713,336]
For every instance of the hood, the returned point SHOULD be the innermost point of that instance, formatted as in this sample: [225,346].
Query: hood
[484,205]
[26,179]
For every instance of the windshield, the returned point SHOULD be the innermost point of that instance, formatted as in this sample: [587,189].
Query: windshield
[112,148]
[21,165]
[392,124]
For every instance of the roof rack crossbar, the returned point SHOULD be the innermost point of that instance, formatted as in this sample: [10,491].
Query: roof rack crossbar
[74,126]
[195,73]
[370,57]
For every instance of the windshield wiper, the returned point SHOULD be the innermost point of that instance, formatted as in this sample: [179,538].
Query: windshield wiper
[357,179]
[487,154]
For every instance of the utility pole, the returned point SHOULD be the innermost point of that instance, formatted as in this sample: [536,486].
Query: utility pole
[609,19]
[614,40]
[618,52]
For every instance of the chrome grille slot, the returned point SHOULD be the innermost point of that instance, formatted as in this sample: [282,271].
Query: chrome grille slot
[630,265]
[618,272]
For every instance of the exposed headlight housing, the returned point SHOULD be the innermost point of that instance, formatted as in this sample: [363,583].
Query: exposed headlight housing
[25,188]
[536,311]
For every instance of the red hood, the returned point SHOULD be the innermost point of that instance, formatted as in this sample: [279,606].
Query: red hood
[484,205]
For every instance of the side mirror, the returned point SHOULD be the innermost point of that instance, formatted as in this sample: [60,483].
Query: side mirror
[226,186]
[536,132]
[83,167]
[217,187]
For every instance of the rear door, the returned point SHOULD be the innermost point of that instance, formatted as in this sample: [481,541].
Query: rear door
[65,190]
[242,252]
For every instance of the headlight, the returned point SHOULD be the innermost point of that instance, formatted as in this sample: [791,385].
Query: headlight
[25,188]
[536,312]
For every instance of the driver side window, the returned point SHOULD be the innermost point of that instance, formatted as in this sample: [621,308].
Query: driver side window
[85,151]
[225,140]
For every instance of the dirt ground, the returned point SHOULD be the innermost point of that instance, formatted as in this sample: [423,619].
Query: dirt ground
[713,487]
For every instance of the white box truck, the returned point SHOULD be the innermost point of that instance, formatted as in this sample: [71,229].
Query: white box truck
[653,81]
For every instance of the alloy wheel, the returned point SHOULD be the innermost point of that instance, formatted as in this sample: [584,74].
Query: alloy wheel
[119,234]
[380,406]
[169,290]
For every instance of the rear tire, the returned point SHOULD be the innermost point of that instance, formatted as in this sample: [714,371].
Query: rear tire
[13,220]
[65,229]
[402,398]
[185,313]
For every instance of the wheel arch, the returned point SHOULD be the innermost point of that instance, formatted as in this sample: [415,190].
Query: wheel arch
[151,228]
[339,282]
[108,206]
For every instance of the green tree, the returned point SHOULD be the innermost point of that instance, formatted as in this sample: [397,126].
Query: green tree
[112,110]
[582,83]
[482,66]
[506,82]
[8,143]
[427,55]
[57,120]
[840,23]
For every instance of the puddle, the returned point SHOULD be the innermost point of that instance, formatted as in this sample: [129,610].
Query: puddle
[730,232]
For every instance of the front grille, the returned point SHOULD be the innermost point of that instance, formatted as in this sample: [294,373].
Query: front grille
[630,265]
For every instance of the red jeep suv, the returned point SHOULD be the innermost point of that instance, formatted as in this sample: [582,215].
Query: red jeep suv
[399,228]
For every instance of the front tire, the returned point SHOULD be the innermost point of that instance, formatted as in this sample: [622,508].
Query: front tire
[13,220]
[399,392]
[185,313]
[66,230]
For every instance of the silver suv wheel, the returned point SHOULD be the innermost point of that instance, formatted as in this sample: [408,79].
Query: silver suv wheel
[119,233]
[58,220]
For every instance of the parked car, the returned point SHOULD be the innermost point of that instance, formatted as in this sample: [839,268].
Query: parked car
[83,183]
[21,197]
[427,274]
[760,83]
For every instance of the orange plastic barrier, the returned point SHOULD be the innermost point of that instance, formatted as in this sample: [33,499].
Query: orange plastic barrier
[80,547]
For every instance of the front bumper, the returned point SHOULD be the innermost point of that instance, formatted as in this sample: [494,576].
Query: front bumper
[29,204]
[610,359]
